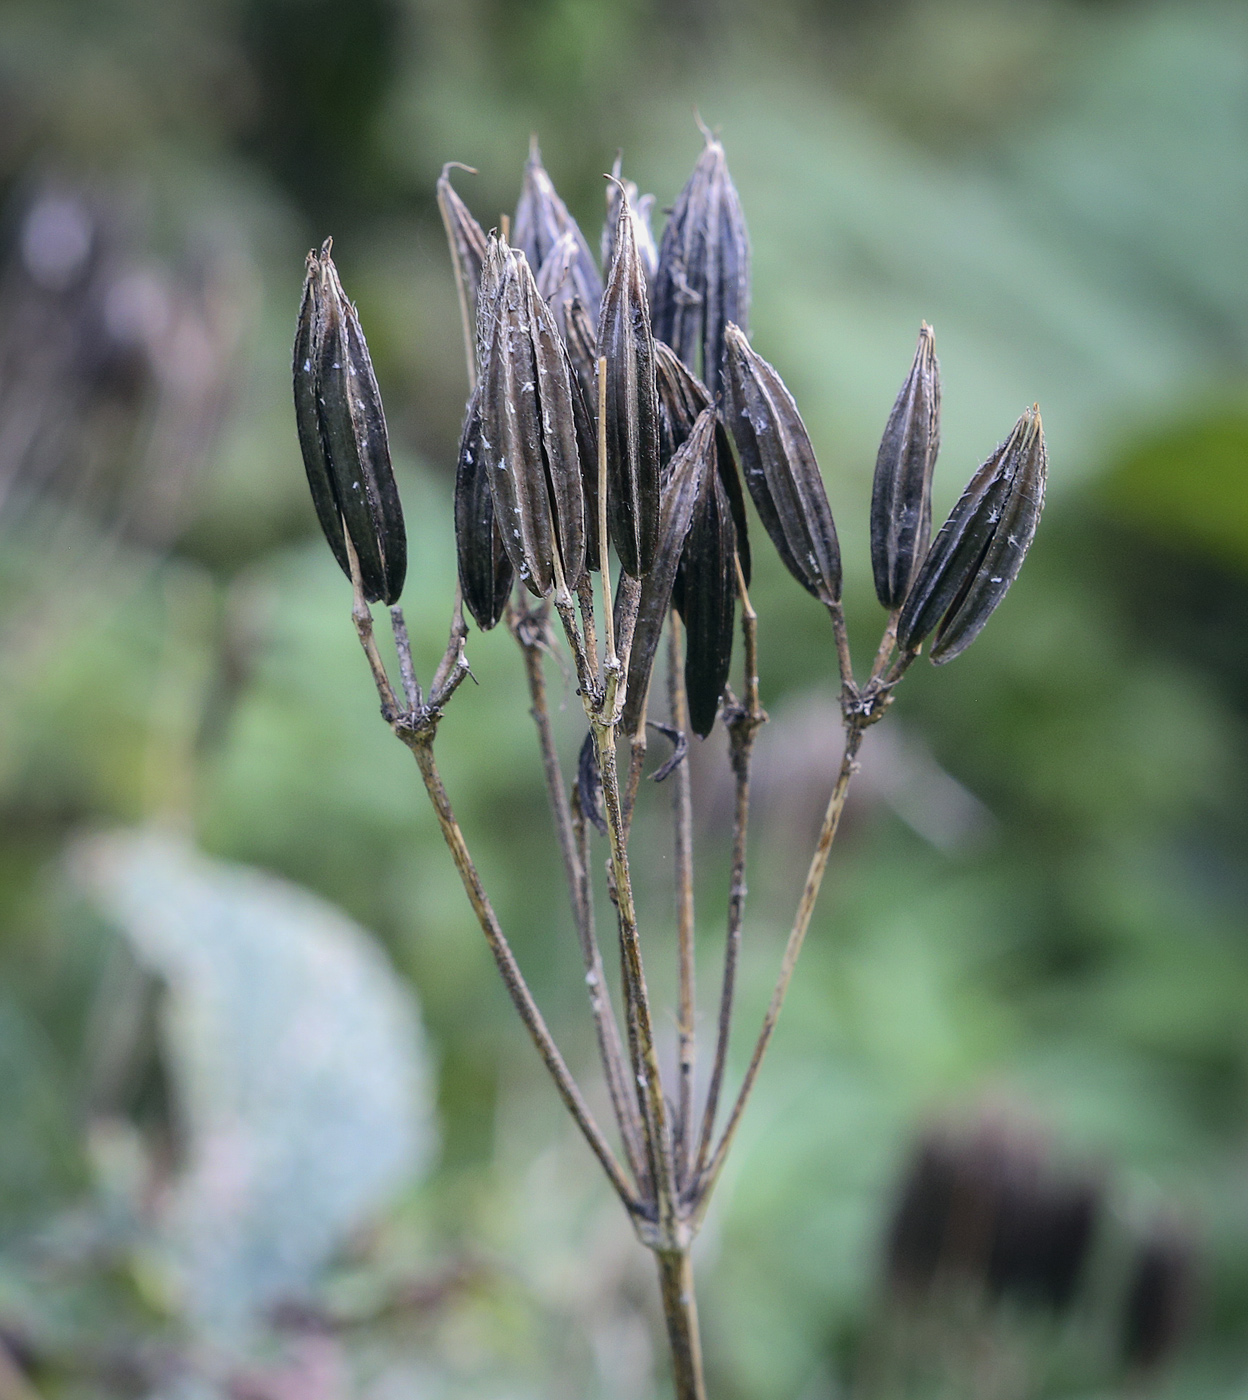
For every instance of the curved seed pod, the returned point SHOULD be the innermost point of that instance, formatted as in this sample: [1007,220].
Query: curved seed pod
[641,209]
[780,468]
[541,216]
[485,572]
[708,590]
[632,419]
[465,236]
[980,548]
[580,340]
[901,498]
[342,432]
[702,281]
[528,435]
[682,484]
[682,396]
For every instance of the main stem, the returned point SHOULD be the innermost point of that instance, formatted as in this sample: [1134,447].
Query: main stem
[680,1309]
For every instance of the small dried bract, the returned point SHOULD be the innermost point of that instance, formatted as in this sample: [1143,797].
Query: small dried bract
[529,441]
[703,278]
[980,548]
[780,470]
[541,217]
[631,424]
[901,499]
[342,434]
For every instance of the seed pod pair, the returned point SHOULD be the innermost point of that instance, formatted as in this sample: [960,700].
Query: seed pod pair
[901,498]
[528,438]
[682,396]
[780,470]
[541,217]
[980,548]
[342,434]
[682,486]
[631,424]
[703,278]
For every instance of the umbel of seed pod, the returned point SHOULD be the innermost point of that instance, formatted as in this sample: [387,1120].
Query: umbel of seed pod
[342,434]
[780,468]
[631,425]
[702,281]
[901,498]
[981,547]
[528,436]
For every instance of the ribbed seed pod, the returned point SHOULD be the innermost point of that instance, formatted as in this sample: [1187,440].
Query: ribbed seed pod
[682,396]
[464,235]
[631,427]
[901,499]
[342,434]
[641,209]
[528,433]
[580,341]
[780,468]
[485,572]
[541,216]
[703,278]
[708,595]
[682,484]
[980,548]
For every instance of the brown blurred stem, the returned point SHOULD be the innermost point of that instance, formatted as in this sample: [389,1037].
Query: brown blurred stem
[844,664]
[529,630]
[682,831]
[806,905]
[743,722]
[680,1308]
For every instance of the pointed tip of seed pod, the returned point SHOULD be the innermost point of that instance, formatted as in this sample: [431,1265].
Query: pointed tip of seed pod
[535,151]
[456,165]
[709,136]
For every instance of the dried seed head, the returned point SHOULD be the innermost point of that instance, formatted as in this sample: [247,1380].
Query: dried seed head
[682,396]
[464,235]
[980,548]
[631,426]
[682,484]
[901,500]
[485,572]
[703,278]
[780,468]
[528,432]
[342,434]
[541,216]
[641,210]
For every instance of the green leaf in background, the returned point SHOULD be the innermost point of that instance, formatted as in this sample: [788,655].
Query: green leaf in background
[298,1068]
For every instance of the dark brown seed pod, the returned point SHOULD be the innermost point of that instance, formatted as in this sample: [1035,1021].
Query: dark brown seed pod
[682,484]
[708,595]
[1161,1297]
[702,281]
[631,427]
[342,434]
[528,435]
[901,499]
[589,784]
[466,239]
[641,209]
[780,468]
[541,216]
[682,396]
[485,572]
[981,547]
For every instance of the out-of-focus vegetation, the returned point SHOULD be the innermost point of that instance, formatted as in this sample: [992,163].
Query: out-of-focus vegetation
[1039,897]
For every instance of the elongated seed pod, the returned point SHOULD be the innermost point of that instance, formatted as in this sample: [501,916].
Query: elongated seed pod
[682,396]
[541,216]
[780,470]
[631,426]
[466,239]
[528,435]
[682,483]
[702,281]
[342,432]
[708,594]
[641,209]
[485,572]
[980,548]
[901,498]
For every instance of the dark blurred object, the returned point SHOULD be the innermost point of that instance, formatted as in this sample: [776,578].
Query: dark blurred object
[115,367]
[1160,1301]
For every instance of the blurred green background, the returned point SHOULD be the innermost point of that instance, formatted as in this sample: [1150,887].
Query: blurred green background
[1038,899]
